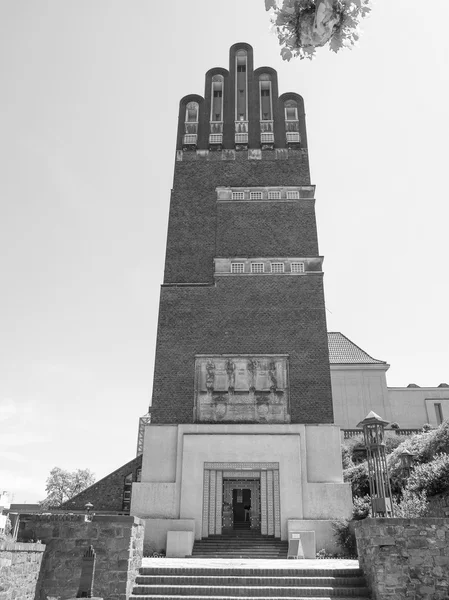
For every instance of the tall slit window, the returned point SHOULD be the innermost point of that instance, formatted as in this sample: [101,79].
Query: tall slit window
[191,118]
[266,110]
[216,111]
[241,108]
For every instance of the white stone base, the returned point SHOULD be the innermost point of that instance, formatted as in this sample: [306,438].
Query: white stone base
[179,544]
[156,531]
[324,533]
[305,461]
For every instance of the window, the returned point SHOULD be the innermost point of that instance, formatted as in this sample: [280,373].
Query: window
[439,413]
[297,267]
[265,98]
[292,195]
[257,268]
[265,93]
[241,86]
[277,267]
[291,110]
[216,110]
[274,195]
[256,195]
[237,267]
[238,195]
[127,488]
[241,68]
[192,112]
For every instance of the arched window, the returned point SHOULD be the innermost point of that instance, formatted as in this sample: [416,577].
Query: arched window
[266,105]
[191,124]
[292,122]
[241,108]
[216,111]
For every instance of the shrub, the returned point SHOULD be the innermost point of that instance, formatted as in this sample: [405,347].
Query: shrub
[431,478]
[411,505]
[425,446]
[361,507]
[394,425]
[345,537]
[357,476]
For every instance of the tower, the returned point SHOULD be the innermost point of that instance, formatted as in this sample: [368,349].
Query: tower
[241,427]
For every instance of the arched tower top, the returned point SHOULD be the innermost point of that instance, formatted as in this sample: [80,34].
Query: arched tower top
[242,109]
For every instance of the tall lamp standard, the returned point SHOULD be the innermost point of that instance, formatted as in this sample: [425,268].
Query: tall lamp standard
[379,481]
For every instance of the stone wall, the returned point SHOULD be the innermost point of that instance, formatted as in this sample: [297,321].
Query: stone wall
[405,558]
[117,541]
[19,569]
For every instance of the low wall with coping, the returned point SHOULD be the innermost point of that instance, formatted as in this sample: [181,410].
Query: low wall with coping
[117,541]
[405,558]
[19,569]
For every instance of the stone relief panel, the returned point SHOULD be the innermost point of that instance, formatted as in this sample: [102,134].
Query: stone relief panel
[242,389]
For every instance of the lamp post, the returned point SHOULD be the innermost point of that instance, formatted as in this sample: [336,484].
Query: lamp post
[379,481]
[88,506]
[407,459]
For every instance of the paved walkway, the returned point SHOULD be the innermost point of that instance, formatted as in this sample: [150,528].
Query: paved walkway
[255,563]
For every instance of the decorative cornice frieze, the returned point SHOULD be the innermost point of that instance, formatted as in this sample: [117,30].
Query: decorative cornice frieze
[266,194]
[283,266]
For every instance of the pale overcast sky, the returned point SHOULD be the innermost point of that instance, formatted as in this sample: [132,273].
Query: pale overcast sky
[89,93]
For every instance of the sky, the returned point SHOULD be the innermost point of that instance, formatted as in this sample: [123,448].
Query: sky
[89,94]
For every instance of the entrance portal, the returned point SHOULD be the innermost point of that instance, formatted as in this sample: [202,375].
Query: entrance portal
[241,496]
[241,508]
[241,503]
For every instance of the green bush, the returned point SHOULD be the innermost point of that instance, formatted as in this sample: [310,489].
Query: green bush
[425,446]
[411,505]
[345,537]
[357,476]
[361,507]
[431,478]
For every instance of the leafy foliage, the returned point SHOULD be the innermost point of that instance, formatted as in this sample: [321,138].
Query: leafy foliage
[303,25]
[357,476]
[61,485]
[411,505]
[431,478]
[361,507]
[345,537]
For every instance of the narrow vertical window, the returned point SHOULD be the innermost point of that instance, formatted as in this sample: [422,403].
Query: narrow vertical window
[241,108]
[439,413]
[216,112]
[266,111]
[292,122]
[191,124]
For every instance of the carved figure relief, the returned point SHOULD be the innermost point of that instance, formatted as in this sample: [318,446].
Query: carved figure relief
[230,370]
[242,389]
[210,375]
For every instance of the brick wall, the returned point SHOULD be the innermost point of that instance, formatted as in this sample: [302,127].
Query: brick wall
[192,230]
[117,542]
[405,558]
[106,494]
[274,315]
[19,569]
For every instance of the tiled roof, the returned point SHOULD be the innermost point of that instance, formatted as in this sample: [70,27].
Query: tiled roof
[342,351]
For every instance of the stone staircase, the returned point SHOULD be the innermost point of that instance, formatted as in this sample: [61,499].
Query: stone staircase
[242,543]
[228,582]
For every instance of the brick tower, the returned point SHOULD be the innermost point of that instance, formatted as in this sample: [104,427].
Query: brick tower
[241,417]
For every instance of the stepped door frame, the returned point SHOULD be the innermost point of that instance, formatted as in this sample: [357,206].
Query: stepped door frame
[220,478]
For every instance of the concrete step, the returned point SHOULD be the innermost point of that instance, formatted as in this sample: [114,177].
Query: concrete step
[299,597]
[260,580]
[295,570]
[248,591]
